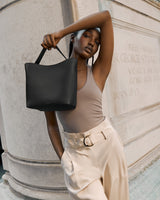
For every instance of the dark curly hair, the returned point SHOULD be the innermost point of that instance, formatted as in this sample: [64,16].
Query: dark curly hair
[71,43]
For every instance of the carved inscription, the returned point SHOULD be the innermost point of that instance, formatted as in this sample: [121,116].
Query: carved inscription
[140,68]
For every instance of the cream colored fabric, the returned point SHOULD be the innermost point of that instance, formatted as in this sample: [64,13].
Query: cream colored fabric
[98,172]
[88,112]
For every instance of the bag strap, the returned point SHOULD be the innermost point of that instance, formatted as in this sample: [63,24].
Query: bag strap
[43,52]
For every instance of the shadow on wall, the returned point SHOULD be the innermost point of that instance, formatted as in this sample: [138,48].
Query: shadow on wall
[1,167]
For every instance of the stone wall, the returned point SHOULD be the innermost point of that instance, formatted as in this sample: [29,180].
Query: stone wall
[31,164]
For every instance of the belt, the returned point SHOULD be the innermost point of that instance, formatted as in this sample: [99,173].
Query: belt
[80,140]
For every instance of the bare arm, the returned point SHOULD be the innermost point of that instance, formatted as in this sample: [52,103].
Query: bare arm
[54,133]
[99,19]
[91,21]
[102,20]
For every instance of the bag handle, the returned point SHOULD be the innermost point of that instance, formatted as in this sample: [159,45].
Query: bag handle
[43,52]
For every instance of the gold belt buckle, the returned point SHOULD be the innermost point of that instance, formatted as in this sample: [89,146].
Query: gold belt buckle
[84,141]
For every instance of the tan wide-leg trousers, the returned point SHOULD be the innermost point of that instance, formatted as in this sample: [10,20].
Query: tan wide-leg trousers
[94,164]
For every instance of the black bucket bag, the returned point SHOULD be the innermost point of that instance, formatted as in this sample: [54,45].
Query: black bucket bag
[51,87]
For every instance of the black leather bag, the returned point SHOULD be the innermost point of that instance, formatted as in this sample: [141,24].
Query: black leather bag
[51,87]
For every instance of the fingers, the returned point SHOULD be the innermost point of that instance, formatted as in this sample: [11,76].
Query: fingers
[48,42]
[52,40]
[45,46]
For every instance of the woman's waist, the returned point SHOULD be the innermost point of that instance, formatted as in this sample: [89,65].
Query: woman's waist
[81,123]
[84,138]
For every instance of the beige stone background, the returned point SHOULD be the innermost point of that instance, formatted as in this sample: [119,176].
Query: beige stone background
[131,96]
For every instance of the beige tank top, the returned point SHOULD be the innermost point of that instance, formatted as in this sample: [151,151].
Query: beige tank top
[88,112]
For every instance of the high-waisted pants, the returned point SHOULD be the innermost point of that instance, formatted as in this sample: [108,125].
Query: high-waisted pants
[94,164]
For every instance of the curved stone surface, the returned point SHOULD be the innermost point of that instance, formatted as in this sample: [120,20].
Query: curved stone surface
[33,168]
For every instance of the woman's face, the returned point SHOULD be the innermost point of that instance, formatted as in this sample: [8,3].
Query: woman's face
[86,43]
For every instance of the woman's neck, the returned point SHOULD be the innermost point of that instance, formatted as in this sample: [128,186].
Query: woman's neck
[81,63]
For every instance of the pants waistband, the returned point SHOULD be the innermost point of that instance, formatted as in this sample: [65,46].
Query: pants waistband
[88,138]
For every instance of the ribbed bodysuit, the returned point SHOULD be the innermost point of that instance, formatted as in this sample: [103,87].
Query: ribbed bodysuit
[88,112]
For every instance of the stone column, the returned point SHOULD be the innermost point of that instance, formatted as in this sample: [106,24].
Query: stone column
[32,166]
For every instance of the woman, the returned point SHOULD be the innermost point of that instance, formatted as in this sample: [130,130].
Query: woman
[93,158]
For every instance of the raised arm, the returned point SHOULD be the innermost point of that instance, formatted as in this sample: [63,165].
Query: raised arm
[99,19]
[104,22]
[94,20]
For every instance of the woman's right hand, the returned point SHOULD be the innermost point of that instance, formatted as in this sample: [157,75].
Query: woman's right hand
[51,40]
